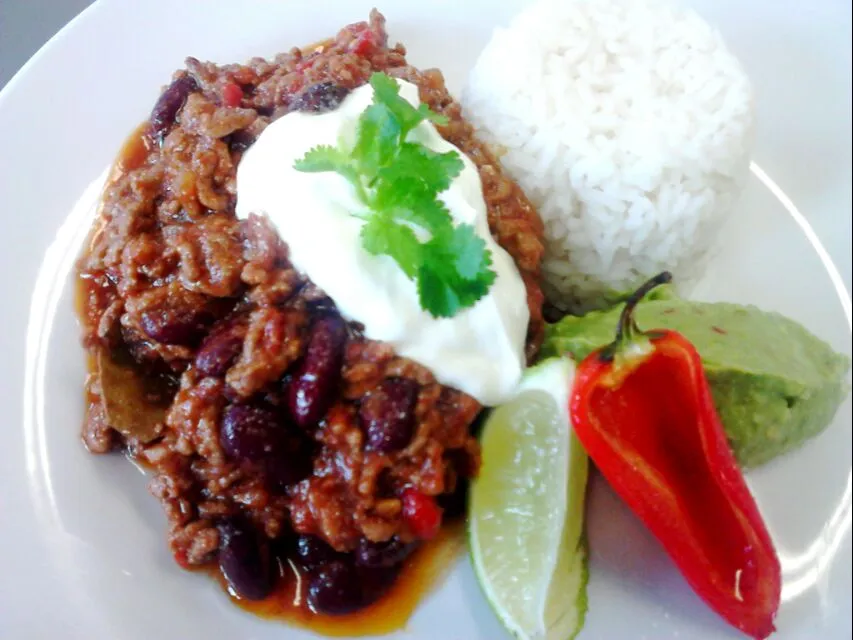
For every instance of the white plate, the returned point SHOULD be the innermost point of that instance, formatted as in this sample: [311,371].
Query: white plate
[81,542]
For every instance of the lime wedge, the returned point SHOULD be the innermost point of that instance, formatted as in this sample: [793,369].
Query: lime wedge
[526,509]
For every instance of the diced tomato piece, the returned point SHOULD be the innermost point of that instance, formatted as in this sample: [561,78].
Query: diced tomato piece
[232,95]
[181,559]
[364,44]
[421,513]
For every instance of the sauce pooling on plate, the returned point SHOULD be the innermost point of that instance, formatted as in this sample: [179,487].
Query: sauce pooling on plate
[481,349]
[422,573]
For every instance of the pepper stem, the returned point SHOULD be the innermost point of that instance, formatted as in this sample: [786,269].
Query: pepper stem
[627,327]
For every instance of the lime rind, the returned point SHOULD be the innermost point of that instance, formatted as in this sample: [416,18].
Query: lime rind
[565,622]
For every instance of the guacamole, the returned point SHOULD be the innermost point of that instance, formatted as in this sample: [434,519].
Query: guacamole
[775,384]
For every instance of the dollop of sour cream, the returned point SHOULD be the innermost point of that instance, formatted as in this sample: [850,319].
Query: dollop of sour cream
[480,350]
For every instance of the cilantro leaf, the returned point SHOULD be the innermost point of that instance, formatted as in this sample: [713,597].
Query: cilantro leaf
[455,271]
[437,170]
[380,236]
[411,200]
[435,296]
[323,158]
[472,260]
[385,88]
[399,182]
[386,91]
[377,139]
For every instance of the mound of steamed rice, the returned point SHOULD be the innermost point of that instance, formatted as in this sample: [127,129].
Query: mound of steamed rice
[628,124]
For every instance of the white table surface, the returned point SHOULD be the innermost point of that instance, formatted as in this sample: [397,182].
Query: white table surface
[793,131]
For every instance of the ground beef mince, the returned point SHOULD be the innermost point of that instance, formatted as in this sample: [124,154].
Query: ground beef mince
[284,431]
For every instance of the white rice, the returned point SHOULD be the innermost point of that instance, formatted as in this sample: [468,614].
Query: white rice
[628,124]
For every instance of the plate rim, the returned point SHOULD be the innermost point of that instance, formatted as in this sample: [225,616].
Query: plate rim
[835,276]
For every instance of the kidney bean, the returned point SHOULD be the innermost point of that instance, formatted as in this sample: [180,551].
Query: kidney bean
[312,552]
[320,97]
[288,467]
[335,589]
[375,582]
[244,560]
[220,348]
[251,433]
[169,103]
[240,140]
[337,586]
[282,546]
[312,387]
[387,414]
[382,555]
[175,325]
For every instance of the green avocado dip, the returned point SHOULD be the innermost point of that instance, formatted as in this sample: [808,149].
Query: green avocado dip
[775,384]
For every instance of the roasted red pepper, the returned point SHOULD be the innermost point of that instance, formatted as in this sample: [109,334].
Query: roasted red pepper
[643,410]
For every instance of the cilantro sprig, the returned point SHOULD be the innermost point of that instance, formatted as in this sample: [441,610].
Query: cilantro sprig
[399,180]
